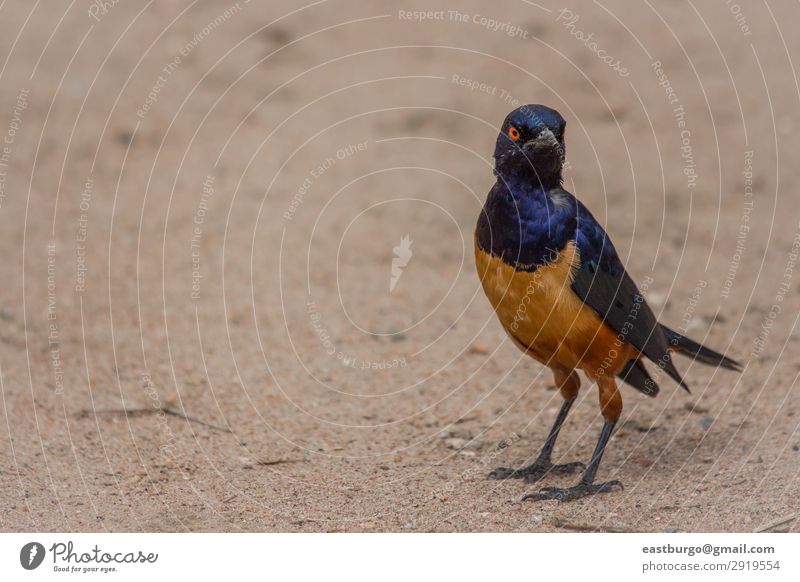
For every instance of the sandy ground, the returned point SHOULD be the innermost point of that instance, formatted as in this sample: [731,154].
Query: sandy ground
[199,209]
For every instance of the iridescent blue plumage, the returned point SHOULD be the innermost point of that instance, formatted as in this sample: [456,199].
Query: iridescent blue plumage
[594,244]
[528,219]
[521,224]
[561,292]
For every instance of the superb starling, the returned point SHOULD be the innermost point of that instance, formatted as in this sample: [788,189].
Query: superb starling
[561,292]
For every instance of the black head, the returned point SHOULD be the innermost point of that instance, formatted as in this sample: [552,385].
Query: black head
[531,144]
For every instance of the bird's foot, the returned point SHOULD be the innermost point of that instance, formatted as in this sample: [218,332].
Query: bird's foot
[572,493]
[535,471]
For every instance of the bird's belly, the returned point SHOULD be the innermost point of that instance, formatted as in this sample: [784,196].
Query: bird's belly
[544,317]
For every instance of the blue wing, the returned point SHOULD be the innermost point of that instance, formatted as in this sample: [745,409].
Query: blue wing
[603,284]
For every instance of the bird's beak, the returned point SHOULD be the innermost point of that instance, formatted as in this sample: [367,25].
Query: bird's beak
[545,139]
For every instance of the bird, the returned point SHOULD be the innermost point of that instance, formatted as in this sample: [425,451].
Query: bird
[562,294]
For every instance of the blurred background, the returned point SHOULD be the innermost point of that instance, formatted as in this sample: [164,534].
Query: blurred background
[239,290]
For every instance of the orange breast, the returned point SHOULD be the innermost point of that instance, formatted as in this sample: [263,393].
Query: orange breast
[543,316]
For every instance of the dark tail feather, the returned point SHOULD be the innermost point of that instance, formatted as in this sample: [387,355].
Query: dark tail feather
[683,345]
[635,374]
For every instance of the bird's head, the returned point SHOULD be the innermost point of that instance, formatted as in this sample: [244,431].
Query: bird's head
[531,144]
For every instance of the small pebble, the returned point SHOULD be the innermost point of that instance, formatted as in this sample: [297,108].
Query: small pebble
[691,407]
[455,442]
[656,299]
[478,348]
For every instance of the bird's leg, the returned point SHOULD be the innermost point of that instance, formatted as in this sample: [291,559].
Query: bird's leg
[586,486]
[543,464]
[569,383]
[611,404]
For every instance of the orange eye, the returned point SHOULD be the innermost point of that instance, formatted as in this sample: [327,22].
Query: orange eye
[513,133]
